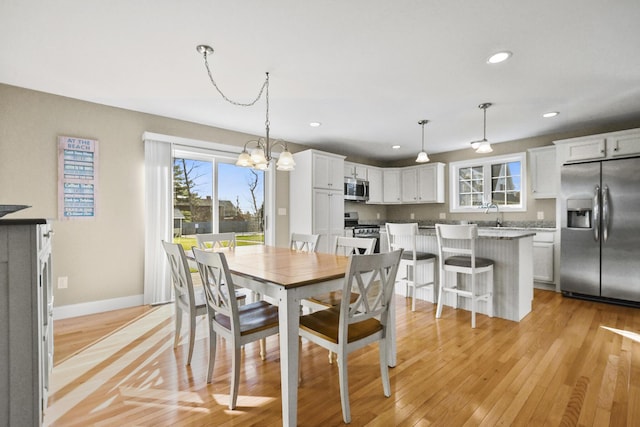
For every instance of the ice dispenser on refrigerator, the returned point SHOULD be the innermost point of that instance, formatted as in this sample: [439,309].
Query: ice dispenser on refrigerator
[579,213]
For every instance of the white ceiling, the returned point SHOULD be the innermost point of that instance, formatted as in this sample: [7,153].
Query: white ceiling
[369,70]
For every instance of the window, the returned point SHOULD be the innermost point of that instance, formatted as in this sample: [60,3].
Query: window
[499,180]
[213,195]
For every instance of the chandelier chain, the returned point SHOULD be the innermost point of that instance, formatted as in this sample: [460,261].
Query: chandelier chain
[264,86]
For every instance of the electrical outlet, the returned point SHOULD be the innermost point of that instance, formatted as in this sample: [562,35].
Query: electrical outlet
[378,215]
[63,282]
[443,215]
[412,216]
[540,214]
[282,211]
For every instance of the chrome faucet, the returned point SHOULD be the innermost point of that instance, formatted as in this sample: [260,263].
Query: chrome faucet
[488,206]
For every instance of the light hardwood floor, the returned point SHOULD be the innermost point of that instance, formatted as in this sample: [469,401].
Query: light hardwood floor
[569,362]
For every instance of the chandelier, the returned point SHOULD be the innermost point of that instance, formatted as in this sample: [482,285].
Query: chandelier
[482,146]
[261,154]
[422,155]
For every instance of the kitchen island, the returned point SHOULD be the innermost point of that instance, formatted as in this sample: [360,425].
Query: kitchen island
[512,253]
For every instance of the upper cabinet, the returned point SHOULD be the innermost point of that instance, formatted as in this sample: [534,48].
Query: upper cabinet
[355,170]
[423,184]
[624,145]
[544,174]
[599,147]
[391,185]
[327,171]
[374,175]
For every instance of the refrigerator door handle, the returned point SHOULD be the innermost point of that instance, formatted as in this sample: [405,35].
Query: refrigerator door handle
[596,214]
[605,213]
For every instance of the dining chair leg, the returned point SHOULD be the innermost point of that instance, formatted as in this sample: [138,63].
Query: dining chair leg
[474,301]
[344,387]
[212,355]
[235,379]
[192,336]
[263,349]
[384,368]
[176,340]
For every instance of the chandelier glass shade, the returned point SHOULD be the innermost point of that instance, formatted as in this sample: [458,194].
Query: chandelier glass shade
[261,155]
[422,155]
[482,146]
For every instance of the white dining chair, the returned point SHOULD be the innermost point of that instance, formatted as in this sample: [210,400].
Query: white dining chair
[346,246]
[238,324]
[347,327]
[304,242]
[216,240]
[404,236]
[188,299]
[457,253]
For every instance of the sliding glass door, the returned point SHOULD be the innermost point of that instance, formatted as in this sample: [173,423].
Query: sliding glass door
[213,195]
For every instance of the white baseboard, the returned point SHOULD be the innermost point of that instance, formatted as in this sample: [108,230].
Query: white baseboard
[93,307]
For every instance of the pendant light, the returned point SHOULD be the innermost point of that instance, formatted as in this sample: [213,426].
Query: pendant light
[482,146]
[422,155]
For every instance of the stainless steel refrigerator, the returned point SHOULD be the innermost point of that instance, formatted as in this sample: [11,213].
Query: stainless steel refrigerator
[600,234]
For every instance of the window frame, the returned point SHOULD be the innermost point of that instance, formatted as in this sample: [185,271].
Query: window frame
[486,164]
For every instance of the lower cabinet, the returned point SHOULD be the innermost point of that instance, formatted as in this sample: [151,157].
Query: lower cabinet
[26,324]
[543,265]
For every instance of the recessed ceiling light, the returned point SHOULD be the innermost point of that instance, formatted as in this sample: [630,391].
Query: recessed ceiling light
[395,147]
[315,124]
[496,58]
[550,114]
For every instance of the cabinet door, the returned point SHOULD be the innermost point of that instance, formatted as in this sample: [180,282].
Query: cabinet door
[409,185]
[375,185]
[431,183]
[328,172]
[623,145]
[586,149]
[544,175]
[391,186]
[328,217]
[543,261]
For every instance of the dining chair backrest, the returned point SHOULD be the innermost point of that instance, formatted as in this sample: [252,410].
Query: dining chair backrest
[373,278]
[402,236]
[180,274]
[216,240]
[304,242]
[354,246]
[219,288]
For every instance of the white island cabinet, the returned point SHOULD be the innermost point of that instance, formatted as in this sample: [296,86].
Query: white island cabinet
[316,196]
[512,253]
[26,326]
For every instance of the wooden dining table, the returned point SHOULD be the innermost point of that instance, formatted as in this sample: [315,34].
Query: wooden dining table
[288,277]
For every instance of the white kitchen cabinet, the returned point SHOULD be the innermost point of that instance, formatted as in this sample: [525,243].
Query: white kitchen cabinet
[26,309]
[355,170]
[543,253]
[391,185]
[423,184]
[587,149]
[544,174]
[328,218]
[328,170]
[596,147]
[623,145]
[315,206]
[374,175]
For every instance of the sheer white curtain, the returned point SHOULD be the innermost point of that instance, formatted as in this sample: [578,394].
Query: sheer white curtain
[158,171]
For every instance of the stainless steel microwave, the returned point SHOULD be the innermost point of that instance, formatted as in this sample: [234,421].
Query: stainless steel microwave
[356,189]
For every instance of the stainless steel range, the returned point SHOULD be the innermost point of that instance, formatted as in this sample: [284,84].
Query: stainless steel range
[355,229]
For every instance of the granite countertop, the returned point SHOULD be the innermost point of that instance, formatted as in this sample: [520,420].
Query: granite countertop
[498,233]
